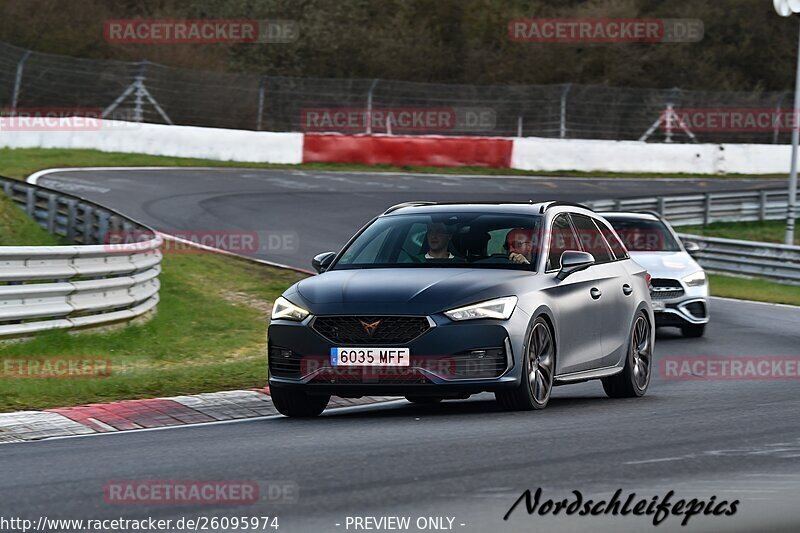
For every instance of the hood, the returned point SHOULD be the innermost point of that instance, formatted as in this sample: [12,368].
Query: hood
[405,290]
[675,265]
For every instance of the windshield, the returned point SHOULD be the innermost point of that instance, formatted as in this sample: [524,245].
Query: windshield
[644,235]
[477,240]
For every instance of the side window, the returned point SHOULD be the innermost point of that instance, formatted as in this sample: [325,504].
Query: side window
[562,238]
[591,239]
[611,238]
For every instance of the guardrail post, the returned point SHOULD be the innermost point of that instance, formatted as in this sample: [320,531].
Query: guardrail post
[52,211]
[30,203]
[762,206]
[707,210]
[88,224]
[102,226]
[662,207]
[72,217]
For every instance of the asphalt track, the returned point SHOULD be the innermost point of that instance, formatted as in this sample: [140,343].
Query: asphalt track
[461,459]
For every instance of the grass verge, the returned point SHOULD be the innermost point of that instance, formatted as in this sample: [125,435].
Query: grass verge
[208,333]
[764,231]
[20,163]
[753,289]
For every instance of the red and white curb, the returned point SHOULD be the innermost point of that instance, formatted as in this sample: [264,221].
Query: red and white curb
[129,415]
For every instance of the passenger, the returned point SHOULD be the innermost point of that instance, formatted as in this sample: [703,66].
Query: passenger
[438,237]
[519,243]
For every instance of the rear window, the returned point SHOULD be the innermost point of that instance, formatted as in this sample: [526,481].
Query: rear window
[644,235]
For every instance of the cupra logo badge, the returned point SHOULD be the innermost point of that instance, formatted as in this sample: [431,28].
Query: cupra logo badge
[370,328]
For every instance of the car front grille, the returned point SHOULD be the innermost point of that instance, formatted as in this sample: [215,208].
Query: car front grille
[371,330]
[665,289]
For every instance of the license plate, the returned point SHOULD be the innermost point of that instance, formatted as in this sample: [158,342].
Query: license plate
[370,357]
[658,306]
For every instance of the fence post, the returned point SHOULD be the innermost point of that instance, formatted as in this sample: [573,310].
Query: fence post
[138,109]
[261,89]
[563,122]
[707,210]
[519,126]
[762,212]
[369,106]
[18,82]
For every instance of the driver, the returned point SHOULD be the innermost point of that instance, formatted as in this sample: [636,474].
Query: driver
[519,243]
[438,237]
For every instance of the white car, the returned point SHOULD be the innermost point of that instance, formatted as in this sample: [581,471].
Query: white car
[679,288]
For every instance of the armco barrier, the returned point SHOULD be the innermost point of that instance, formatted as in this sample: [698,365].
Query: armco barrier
[777,262]
[407,150]
[75,286]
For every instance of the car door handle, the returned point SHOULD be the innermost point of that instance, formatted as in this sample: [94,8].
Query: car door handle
[596,293]
[627,289]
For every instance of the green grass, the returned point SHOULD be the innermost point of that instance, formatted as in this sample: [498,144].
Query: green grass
[766,231]
[17,229]
[753,289]
[20,163]
[208,334]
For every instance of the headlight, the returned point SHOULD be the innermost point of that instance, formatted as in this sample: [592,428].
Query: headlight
[500,308]
[695,280]
[284,309]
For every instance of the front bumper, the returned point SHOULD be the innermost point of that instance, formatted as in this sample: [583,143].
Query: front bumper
[451,359]
[691,308]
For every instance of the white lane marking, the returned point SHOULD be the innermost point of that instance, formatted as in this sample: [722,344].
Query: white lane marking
[33,178]
[787,306]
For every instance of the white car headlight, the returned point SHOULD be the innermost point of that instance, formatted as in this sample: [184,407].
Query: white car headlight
[286,310]
[695,280]
[500,308]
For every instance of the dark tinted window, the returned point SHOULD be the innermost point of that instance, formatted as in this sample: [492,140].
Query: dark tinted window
[644,235]
[447,239]
[562,238]
[616,245]
[591,239]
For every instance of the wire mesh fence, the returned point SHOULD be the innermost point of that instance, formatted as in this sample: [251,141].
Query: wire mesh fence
[148,92]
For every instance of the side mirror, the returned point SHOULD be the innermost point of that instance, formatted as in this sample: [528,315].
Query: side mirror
[691,247]
[573,261]
[321,262]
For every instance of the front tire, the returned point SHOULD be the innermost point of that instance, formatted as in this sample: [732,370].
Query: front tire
[297,403]
[538,372]
[693,331]
[634,379]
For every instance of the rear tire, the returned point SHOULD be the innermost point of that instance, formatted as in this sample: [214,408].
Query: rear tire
[634,379]
[423,400]
[538,372]
[693,331]
[297,403]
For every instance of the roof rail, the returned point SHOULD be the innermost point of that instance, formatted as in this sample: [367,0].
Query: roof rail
[406,204]
[649,212]
[548,205]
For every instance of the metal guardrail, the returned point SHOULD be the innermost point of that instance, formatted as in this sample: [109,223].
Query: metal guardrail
[703,209]
[776,262]
[75,286]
